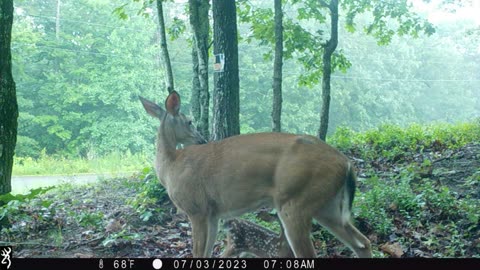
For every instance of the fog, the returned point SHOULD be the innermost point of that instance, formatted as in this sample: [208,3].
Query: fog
[79,72]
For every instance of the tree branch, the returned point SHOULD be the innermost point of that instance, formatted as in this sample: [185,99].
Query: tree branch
[324,4]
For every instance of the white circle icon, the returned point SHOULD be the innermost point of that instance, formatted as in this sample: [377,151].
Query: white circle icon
[157,264]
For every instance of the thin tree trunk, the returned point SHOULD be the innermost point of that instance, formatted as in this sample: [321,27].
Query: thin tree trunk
[277,69]
[328,51]
[195,100]
[8,98]
[226,103]
[200,27]
[164,48]
[57,21]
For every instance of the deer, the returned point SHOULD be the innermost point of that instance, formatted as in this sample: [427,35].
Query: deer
[300,176]
[247,239]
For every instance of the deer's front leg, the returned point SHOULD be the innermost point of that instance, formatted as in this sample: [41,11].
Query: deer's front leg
[199,235]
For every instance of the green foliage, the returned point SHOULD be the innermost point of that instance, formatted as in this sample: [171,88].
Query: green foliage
[78,95]
[14,208]
[391,141]
[416,204]
[7,198]
[176,28]
[89,219]
[407,22]
[305,37]
[27,147]
[274,226]
[123,235]
[374,204]
[149,197]
[473,180]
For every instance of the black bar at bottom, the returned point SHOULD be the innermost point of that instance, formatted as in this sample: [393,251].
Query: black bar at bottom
[254,264]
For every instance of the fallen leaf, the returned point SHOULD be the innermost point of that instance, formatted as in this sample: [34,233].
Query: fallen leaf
[82,255]
[179,244]
[113,226]
[394,250]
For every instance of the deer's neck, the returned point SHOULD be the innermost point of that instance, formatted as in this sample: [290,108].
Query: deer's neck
[166,150]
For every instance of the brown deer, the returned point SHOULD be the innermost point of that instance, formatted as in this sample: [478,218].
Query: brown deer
[299,175]
[247,239]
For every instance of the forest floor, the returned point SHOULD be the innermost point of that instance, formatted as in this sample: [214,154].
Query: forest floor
[98,220]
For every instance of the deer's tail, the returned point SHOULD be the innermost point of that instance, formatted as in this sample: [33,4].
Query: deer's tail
[349,192]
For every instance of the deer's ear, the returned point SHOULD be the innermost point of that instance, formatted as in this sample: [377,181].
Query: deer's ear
[152,108]
[172,104]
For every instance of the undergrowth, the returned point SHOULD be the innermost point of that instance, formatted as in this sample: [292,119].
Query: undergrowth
[149,197]
[392,142]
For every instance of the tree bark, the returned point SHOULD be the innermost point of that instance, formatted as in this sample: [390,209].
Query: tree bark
[8,98]
[277,69]
[164,48]
[57,21]
[200,28]
[328,51]
[226,107]
[195,100]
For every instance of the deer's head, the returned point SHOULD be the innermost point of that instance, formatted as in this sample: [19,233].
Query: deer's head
[181,126]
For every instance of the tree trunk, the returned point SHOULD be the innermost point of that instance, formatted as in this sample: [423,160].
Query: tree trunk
[329,48]
[57,21]
[8,98]
[164,48]
[226,107]
[277,69]
[200,27]
[195,100]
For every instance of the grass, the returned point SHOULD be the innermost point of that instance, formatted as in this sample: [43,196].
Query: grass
[391,141]
[49,165]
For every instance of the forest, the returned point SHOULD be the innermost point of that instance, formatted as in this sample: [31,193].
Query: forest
[393,85]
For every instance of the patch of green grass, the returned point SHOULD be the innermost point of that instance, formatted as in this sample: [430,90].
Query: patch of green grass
[50,165]
[274,226]
[89,219]
[391,141]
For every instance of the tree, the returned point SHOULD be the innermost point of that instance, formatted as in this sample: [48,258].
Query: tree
[164,48]
[312,49]
[195,98]
[200,95]
[8,99]
[328,50]
[277,69]
[226,107]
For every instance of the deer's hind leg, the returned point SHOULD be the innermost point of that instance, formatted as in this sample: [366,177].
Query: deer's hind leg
[337,221]
[212,224]
[297,226]
[200,237]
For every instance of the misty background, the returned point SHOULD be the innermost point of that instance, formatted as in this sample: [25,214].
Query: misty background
[79,75]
